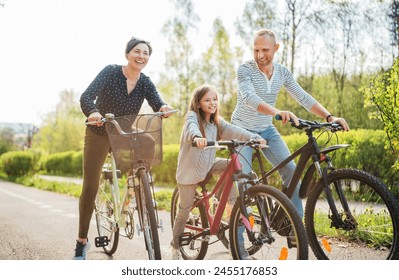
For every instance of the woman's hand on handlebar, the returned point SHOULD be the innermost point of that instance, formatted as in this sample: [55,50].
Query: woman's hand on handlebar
[286,116]
[95,119]
[166,108]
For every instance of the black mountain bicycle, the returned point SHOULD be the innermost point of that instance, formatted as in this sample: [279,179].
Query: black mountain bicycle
[349,213]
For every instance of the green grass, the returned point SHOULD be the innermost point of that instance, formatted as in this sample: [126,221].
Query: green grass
[163,197]
[374,228]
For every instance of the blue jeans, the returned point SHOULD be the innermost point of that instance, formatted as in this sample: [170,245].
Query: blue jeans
[276,153]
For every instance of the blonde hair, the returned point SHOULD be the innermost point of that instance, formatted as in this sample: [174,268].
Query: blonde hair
[198,93]
[264,32]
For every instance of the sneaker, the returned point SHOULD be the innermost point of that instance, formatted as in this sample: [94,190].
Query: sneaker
[241,247]
[81,250]
[175,253]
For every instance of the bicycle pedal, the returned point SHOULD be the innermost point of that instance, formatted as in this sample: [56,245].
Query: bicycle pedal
[185,238]
[101,241]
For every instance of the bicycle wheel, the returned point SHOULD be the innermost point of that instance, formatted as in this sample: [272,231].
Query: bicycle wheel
[370,231]
[147,217]
[278,231]
[104,208]
[197,248]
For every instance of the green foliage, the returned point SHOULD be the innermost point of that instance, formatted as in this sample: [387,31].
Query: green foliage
[19,163]
[165,174]
[6,140]
[383,95]
[366,151]
[64,163]
[63,129]
[67,188]
[163,198]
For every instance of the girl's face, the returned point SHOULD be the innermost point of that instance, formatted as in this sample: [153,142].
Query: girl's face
[209,104]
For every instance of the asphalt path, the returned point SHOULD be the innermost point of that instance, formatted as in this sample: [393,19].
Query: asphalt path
[43,225]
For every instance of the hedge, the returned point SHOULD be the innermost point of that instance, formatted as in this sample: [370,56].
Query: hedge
[367,151]
[19,163]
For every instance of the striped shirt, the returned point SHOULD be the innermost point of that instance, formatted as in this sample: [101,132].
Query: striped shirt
[254,88]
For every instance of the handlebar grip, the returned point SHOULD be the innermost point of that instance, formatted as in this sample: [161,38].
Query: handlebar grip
[209,143]
[279,118]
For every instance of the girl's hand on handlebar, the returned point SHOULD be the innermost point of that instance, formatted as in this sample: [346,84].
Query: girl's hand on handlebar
[286,116]
[95,119]
[200,142]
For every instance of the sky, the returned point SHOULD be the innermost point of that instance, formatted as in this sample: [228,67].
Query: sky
[47,46]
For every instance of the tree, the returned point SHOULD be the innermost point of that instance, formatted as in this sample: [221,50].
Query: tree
[218,68]
[7,135]
[62,129]
[256,15]
[383,94]
[179,60]
[393,15]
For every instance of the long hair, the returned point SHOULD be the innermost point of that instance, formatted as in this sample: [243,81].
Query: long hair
[195,107]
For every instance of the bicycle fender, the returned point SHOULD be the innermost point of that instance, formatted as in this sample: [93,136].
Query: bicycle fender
[303,191]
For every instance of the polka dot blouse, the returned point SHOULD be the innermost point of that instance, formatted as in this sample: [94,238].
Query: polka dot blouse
[108,94]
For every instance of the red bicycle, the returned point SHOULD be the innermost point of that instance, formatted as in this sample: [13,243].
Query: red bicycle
[263,222]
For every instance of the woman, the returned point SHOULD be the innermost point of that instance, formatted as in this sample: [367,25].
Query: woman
[120,90]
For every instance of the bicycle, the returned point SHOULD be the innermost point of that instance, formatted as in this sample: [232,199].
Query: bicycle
[346,208]
[136,145]
[262,215]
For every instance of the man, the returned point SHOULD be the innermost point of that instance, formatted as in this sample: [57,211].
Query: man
[259,82]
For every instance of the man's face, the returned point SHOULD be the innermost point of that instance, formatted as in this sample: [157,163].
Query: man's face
[264,49]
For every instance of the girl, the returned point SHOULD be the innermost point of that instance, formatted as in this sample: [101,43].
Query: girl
[202,123]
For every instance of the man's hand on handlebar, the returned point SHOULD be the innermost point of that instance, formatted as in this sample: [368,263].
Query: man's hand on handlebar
[340,121]
[287,116]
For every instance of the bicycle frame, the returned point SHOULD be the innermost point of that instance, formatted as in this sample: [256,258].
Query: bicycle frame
[121,205]
[229,178]
[309,151]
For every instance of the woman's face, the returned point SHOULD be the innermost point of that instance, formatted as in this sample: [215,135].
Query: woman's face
[209,104]
[138,56]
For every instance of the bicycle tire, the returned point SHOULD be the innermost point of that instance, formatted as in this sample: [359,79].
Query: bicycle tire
[270,242]
[368,238]
[104,208]
[198,248]
[148,219]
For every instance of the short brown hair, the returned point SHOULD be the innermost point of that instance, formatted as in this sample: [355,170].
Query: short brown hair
[134,42]
[265,32]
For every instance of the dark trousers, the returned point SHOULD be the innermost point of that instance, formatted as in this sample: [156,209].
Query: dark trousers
[95,151]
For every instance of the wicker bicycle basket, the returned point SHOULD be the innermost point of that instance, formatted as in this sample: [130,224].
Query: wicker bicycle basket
[143,143]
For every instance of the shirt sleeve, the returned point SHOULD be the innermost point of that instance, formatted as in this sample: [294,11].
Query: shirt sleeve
[191,127]
[88,97]
[296,91]
[246,88]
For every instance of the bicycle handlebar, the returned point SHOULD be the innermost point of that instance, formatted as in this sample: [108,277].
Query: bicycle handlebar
[305,124]
[231,144]
[109,117]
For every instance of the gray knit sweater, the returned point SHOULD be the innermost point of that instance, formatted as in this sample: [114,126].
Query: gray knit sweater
[194,163]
